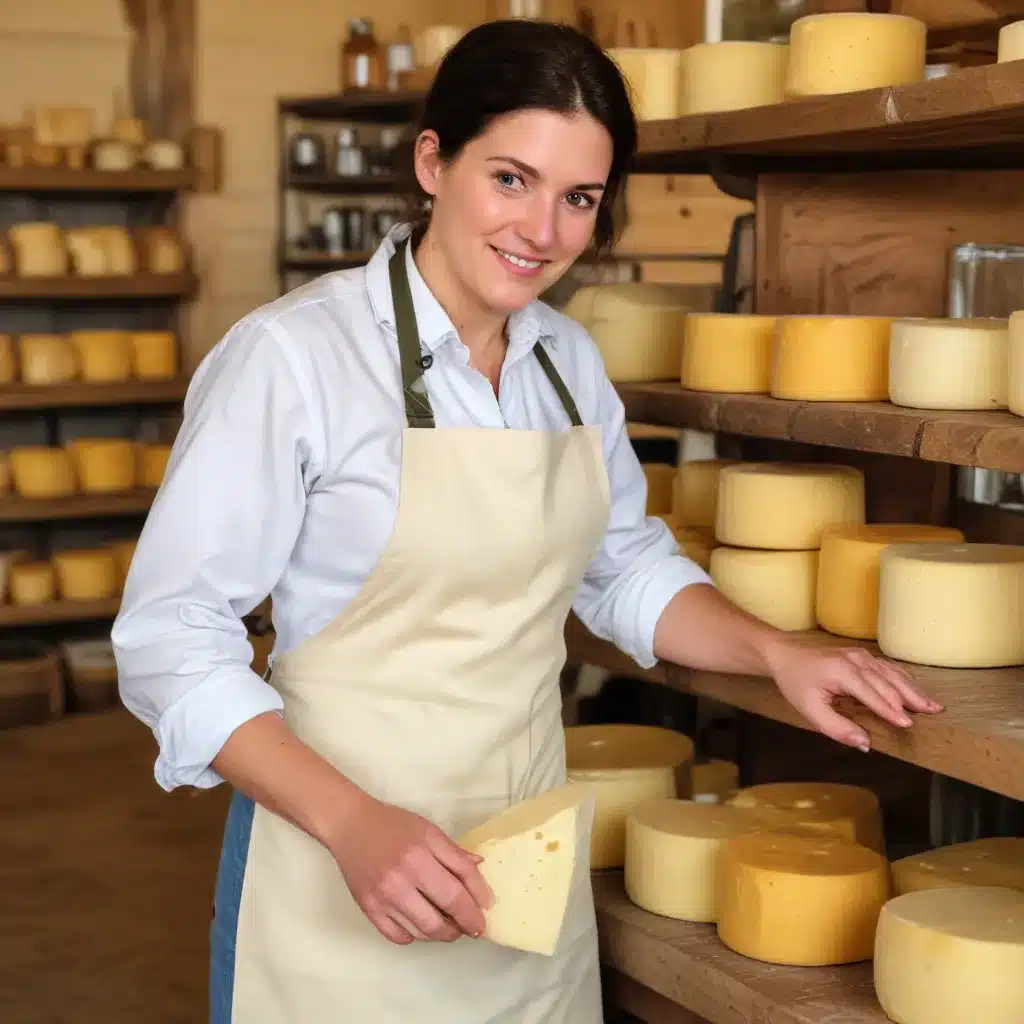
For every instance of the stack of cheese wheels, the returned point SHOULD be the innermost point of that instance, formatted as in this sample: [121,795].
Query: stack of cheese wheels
[949,363]
[769,524]
[995,861]
[839,53]
[831,358]
[626,765]
[1015,337]
[727,352]
[1011,42]
[848,572]
[653,77]
[732,75]
[952,605]
[694,502]
[949,956]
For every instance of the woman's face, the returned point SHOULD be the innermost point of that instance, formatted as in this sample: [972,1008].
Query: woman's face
[518,204]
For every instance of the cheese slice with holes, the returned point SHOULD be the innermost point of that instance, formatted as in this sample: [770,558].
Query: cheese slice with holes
[531,853]
[995,861]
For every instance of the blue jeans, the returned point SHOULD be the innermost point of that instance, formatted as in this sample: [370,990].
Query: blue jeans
[226,901]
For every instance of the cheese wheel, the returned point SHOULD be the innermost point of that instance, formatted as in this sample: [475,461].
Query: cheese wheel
[952,605]
[529,857]
[626,765]
[785,506]
[154,355]
[162,250]
[1015,340]
[113,155]
[39,249]
[653,77]
[637,327]
[86,575]
[164,155]
[849,812]
[118,250]
[153,460]
[729,352]
[732,75]
[104,465]
[104,357]
[847,589]
[695,496]
[88,255]
[46,359]
[660,480]
[949,364]
[673,852]
[831,359]
[995,861]
[123,552]
[40,472]
[1011,42]
[5,474]
[839,53]
[695,542]
[32,583]
[949,956]
[8,360]
[776,587]
[714,781]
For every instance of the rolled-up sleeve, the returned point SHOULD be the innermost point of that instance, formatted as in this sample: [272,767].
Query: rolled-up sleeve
[215,543]
[638,568]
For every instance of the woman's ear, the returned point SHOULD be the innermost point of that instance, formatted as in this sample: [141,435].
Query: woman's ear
[427,161]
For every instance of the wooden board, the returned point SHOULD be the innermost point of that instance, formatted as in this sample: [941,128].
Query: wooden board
[63,179]
[57,611]
[979,738]
[15,509]
[140,286]
[81,395]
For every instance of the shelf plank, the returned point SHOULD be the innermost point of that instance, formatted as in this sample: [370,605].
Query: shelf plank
[16,509]
[80,395]
[369,105]
[323,262]
[989,440]
[978,738]
[689,966]
[64,179]
[138,286]
[58,611]
[337,184]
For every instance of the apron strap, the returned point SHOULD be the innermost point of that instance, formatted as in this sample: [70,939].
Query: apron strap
[558,384]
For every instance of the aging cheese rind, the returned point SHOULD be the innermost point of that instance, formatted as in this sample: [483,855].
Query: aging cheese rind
[727,352]
[997,861]
[732,75]
[777,587]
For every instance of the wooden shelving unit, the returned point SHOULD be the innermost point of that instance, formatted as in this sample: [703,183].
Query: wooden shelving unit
[97,289]
[39,180]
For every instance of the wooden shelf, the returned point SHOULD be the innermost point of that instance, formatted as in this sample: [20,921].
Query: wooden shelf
[54,289]
[322,262]
[341,185]
[63,179]
[16,509]
[688,965]
[990,440]
[979,738]
[79,395]
[58,611]
[372,106]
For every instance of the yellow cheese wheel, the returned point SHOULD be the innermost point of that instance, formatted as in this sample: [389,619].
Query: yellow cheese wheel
[952,605]
[104,357]
[660,481]
[154,355]
[831,359]
[673,852]
[8,360]
[123,552]
[86,574]
[104,465]
[152,464]
[46,359]
[1011,42]
[838,53]
[850,812]
[949,364]
[949,956]
[627,765]
[695,542]
[39,249]
[732,75]
[995,861]
[729,352]
[785,505]
[32,583]
[695,497]
[162,250]
[40,472]
[800,900]
[1015,340]
[88,256]
[653,77]
[848,570]
[776,587]
[118,250]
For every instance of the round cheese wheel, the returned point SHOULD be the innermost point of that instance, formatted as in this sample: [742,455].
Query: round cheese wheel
[86,575]
[838,53]
[32,583]
[653,77]
[952,605]
[732,75]
[949,956]
[673,849]
[39,249]
[660,481]
[1011,42]
[46,359]
[831,359]
[1015,339]
[995,861]
[123,552]
[729,352]
[949,364]
[104,465]
[849,812]
[847,589]
[8,360]
[40,472]
[800,899]
[104,357]
[695,498]
[153,460]
[775,586]
[785,506]
[695,542]
[714,781]
[154,355]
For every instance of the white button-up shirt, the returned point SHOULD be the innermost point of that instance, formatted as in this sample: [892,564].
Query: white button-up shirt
[284,479]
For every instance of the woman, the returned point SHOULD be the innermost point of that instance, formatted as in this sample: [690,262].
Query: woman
[425,467]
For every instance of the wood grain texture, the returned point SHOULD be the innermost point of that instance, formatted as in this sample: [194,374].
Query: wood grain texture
[15,509]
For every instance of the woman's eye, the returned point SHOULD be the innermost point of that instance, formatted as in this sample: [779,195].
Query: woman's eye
[580,200]
[507,179]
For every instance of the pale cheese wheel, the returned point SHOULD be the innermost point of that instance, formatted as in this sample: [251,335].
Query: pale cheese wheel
[848,572]
[695,495]
[952,605]
[1011,42]
[847,52]
[86,574]
[104,356]
[88,254]
[39,249]
[998,861]
[714,781]
[949,363]
[104,465]
[46,359]
[776,587]
[732,75]
[8,360]
[660,481]
[164,155]
[154,355]
[727,352]
[113,155]
[695,542]
[800,900]
[849,812]
[41,472]
[153,460]
[32,583]
[1015,339]
[673,852]
[118,250]
[163,251]
[952,956]
[831,359]
[785,506]
[653,76]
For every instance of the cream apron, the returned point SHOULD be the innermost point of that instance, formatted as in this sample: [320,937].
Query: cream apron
[436,689]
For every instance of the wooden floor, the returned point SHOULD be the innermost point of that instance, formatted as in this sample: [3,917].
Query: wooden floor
[106,881]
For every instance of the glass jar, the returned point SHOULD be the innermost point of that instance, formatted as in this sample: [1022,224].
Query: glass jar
[363,60]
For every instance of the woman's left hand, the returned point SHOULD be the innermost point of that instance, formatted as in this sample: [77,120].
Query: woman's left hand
[813,678]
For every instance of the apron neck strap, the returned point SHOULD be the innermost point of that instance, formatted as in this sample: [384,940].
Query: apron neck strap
[418,410]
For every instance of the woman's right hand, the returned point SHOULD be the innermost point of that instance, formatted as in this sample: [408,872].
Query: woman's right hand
[409,878]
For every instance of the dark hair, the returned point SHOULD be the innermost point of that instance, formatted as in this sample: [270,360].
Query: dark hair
[506,66]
